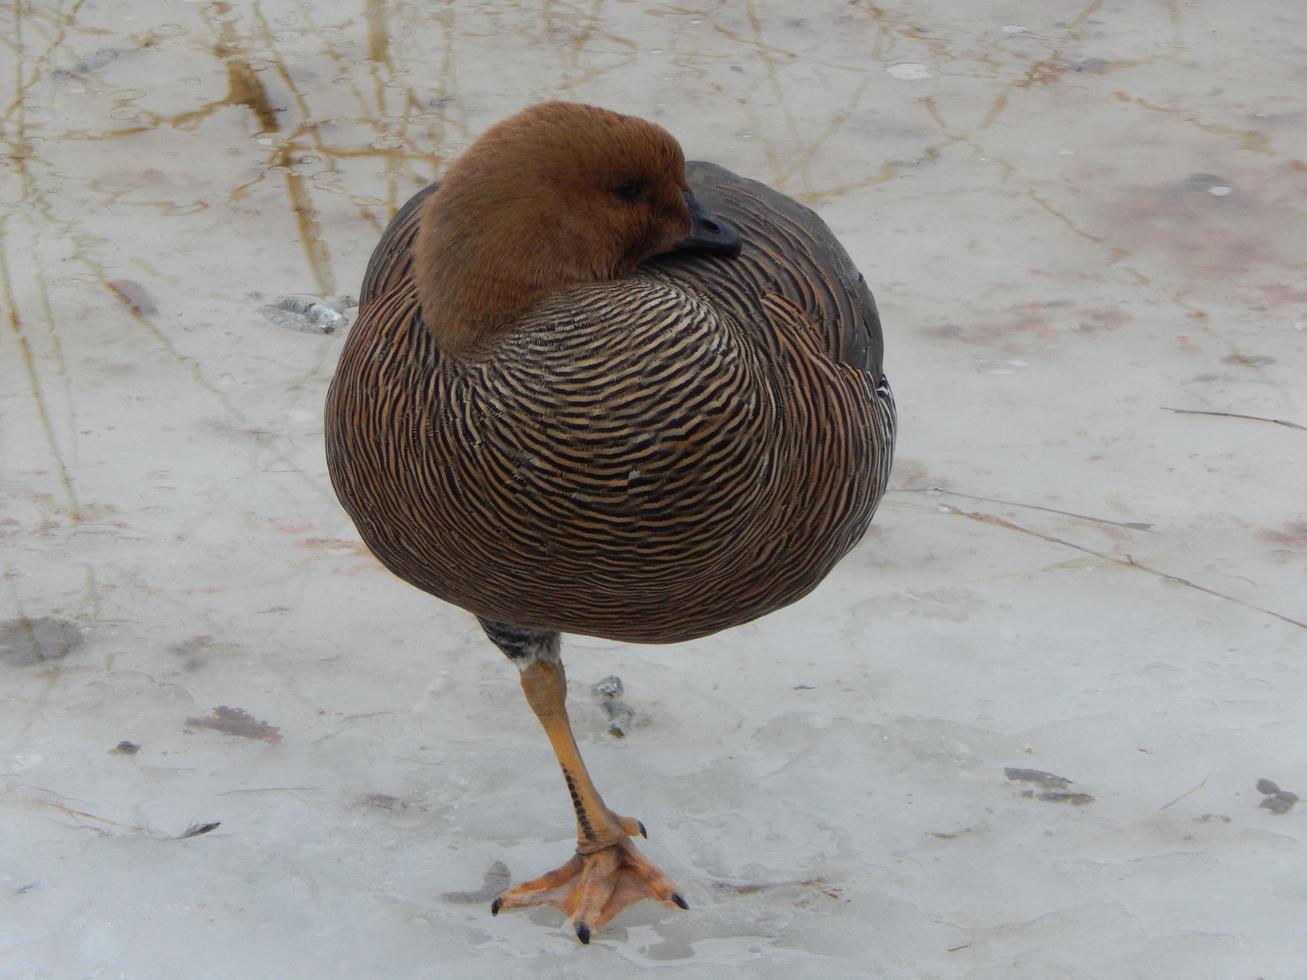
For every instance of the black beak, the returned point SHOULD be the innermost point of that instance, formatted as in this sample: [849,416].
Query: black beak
[708,233]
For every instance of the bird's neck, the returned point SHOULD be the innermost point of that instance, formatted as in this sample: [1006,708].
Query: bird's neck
[470,300]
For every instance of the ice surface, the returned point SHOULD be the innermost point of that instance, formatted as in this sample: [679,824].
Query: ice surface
[1098,355]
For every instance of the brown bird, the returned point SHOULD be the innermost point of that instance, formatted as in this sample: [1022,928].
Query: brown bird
[593,389]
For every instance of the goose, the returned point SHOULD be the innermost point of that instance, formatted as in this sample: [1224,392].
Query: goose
[595,389]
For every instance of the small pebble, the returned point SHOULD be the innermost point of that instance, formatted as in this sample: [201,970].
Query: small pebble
[1281,802]
[1277,800]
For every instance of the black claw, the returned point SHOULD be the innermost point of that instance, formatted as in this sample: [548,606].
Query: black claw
[583,933]
[676,897]
[494,906]
[643,833]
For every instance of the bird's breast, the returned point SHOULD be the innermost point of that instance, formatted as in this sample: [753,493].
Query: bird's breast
[625,473]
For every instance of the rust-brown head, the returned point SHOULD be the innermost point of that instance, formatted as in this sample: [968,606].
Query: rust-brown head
[556,195]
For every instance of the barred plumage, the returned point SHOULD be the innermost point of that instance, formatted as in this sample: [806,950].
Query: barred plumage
[648,459]
[537,421]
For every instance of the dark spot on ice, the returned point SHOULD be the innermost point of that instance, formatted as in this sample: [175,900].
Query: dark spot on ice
[677,948]
[1280,802]
[1096,66]
[1248,360]
[1104,318]
[134,296]
[945,331]
[125,748]
[495,880]
[25,642]
[1290,535]
[198,829]
[95,62]
[752,888]
[382,801]
[1277,800]
[238,722]
[949,835]
[1046,779]
[199,650]
[1059,796]
[1055,787]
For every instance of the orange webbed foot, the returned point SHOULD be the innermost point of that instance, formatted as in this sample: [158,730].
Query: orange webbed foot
[592,888]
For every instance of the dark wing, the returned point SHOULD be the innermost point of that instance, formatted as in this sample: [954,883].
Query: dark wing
[391,261]
[789,251]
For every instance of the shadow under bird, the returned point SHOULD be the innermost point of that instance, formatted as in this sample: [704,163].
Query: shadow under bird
[595,389]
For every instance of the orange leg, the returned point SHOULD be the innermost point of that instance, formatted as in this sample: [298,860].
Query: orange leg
[607,873]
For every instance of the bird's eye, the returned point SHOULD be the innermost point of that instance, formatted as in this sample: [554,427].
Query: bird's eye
[629,190]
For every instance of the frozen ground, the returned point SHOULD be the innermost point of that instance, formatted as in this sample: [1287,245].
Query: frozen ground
[1084,223]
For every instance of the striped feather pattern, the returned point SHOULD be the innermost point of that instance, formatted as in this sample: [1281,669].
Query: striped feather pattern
[648,459]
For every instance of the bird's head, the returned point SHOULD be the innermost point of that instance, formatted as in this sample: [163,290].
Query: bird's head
[556,195]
